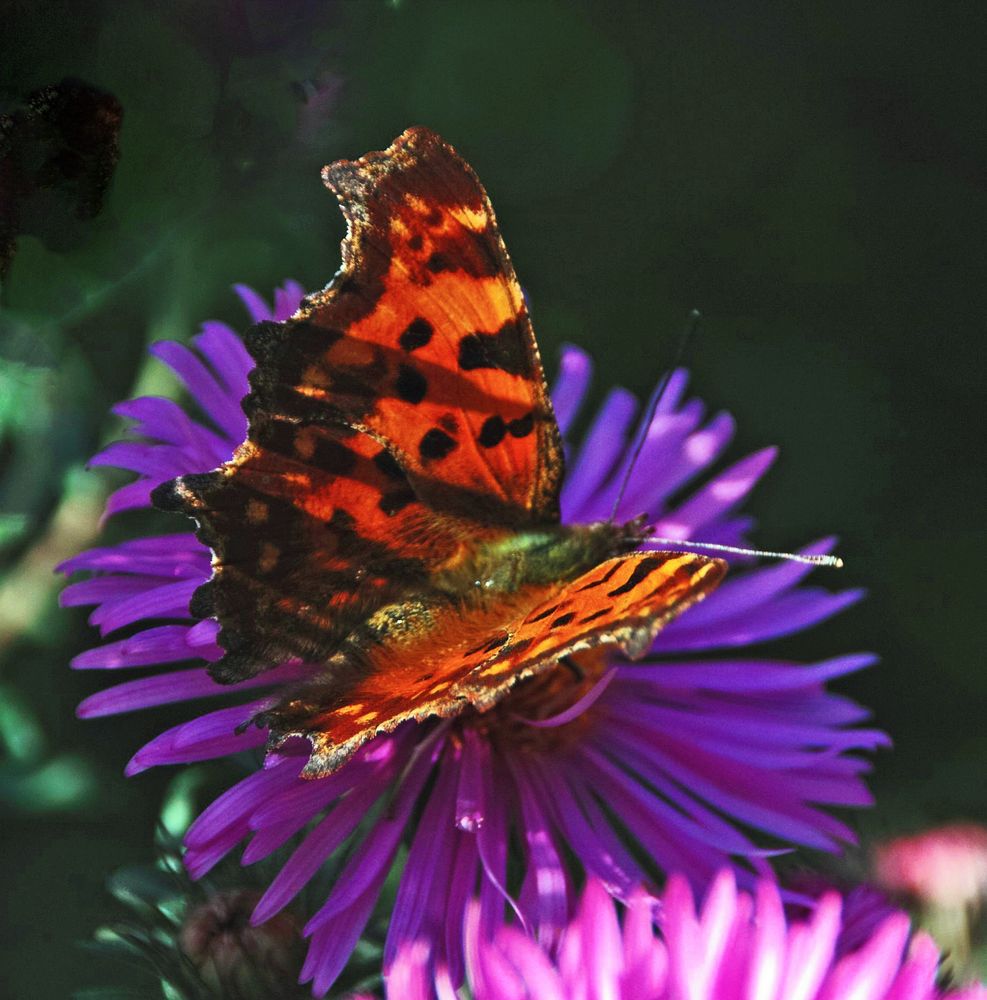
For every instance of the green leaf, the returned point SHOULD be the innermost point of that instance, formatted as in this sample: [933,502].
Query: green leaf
[179,807]
[12,526]
[143,886]
[65,782]
[20,733]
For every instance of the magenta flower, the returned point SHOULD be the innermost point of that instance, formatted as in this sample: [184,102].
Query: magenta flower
[945,866]
[682,758]
[737,947]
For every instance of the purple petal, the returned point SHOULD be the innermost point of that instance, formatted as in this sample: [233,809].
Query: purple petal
[223,825]
[420,902]
[598,454]
[720,495]
[743,676]
[129,497]
[162,644]
[178,685]
[672,446]
[217,403]
[311,854]
[227,357]
[676,842]
[545,892]
[169,555]
[708,826]
[596,847]
[158,461]
[738,790]
[287,300]
[376,763]
[212,735]
[740,594]
[462,879]
[255,305]
[238,801]
[571,382]
[170,600]
[106,588]
[693,455]
[368,866]
[164,420]
[491,835]
[333,943]
[789,613]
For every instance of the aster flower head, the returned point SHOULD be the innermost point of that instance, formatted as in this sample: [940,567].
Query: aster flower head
[944,867]
[736,946]
[700,756]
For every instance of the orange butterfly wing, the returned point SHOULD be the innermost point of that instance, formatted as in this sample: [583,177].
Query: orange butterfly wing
[473,659]
[422,340]
[401,413]
[311,528]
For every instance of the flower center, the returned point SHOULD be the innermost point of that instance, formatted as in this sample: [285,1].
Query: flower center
[545,697]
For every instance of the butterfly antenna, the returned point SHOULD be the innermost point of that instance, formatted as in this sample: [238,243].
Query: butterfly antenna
[812,560]
[656,397]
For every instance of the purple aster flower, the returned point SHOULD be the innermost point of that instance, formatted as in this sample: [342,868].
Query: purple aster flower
[706,761]
[739,946]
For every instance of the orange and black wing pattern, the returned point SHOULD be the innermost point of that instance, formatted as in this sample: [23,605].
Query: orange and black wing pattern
[311,528]
[399,415]
[474,659]
[422,340]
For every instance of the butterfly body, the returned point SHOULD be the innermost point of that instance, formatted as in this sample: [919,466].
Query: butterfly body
[393,517]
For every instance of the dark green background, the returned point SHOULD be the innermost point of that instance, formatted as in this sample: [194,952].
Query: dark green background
[811,177]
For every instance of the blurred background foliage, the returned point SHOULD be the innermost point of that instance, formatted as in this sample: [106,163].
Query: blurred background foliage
[812,178]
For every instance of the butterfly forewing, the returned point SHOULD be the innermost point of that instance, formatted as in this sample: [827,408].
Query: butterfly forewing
[423,340]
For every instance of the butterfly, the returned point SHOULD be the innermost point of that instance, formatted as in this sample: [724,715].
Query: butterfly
[392,518]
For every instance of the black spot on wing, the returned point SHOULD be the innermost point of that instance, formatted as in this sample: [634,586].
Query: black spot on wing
[416,334]
[396,500]
[488,645]
[523,426]
[388,464]
[595,615]
[542,615]
[492,432]
[565,619]
[593,584]
[410,385]
[641,572]
[506,350]
[333,457]
[438,262]
[495,429]
[435,444]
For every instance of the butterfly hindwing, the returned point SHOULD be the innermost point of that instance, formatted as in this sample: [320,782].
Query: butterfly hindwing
[311,528]
[474,660]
